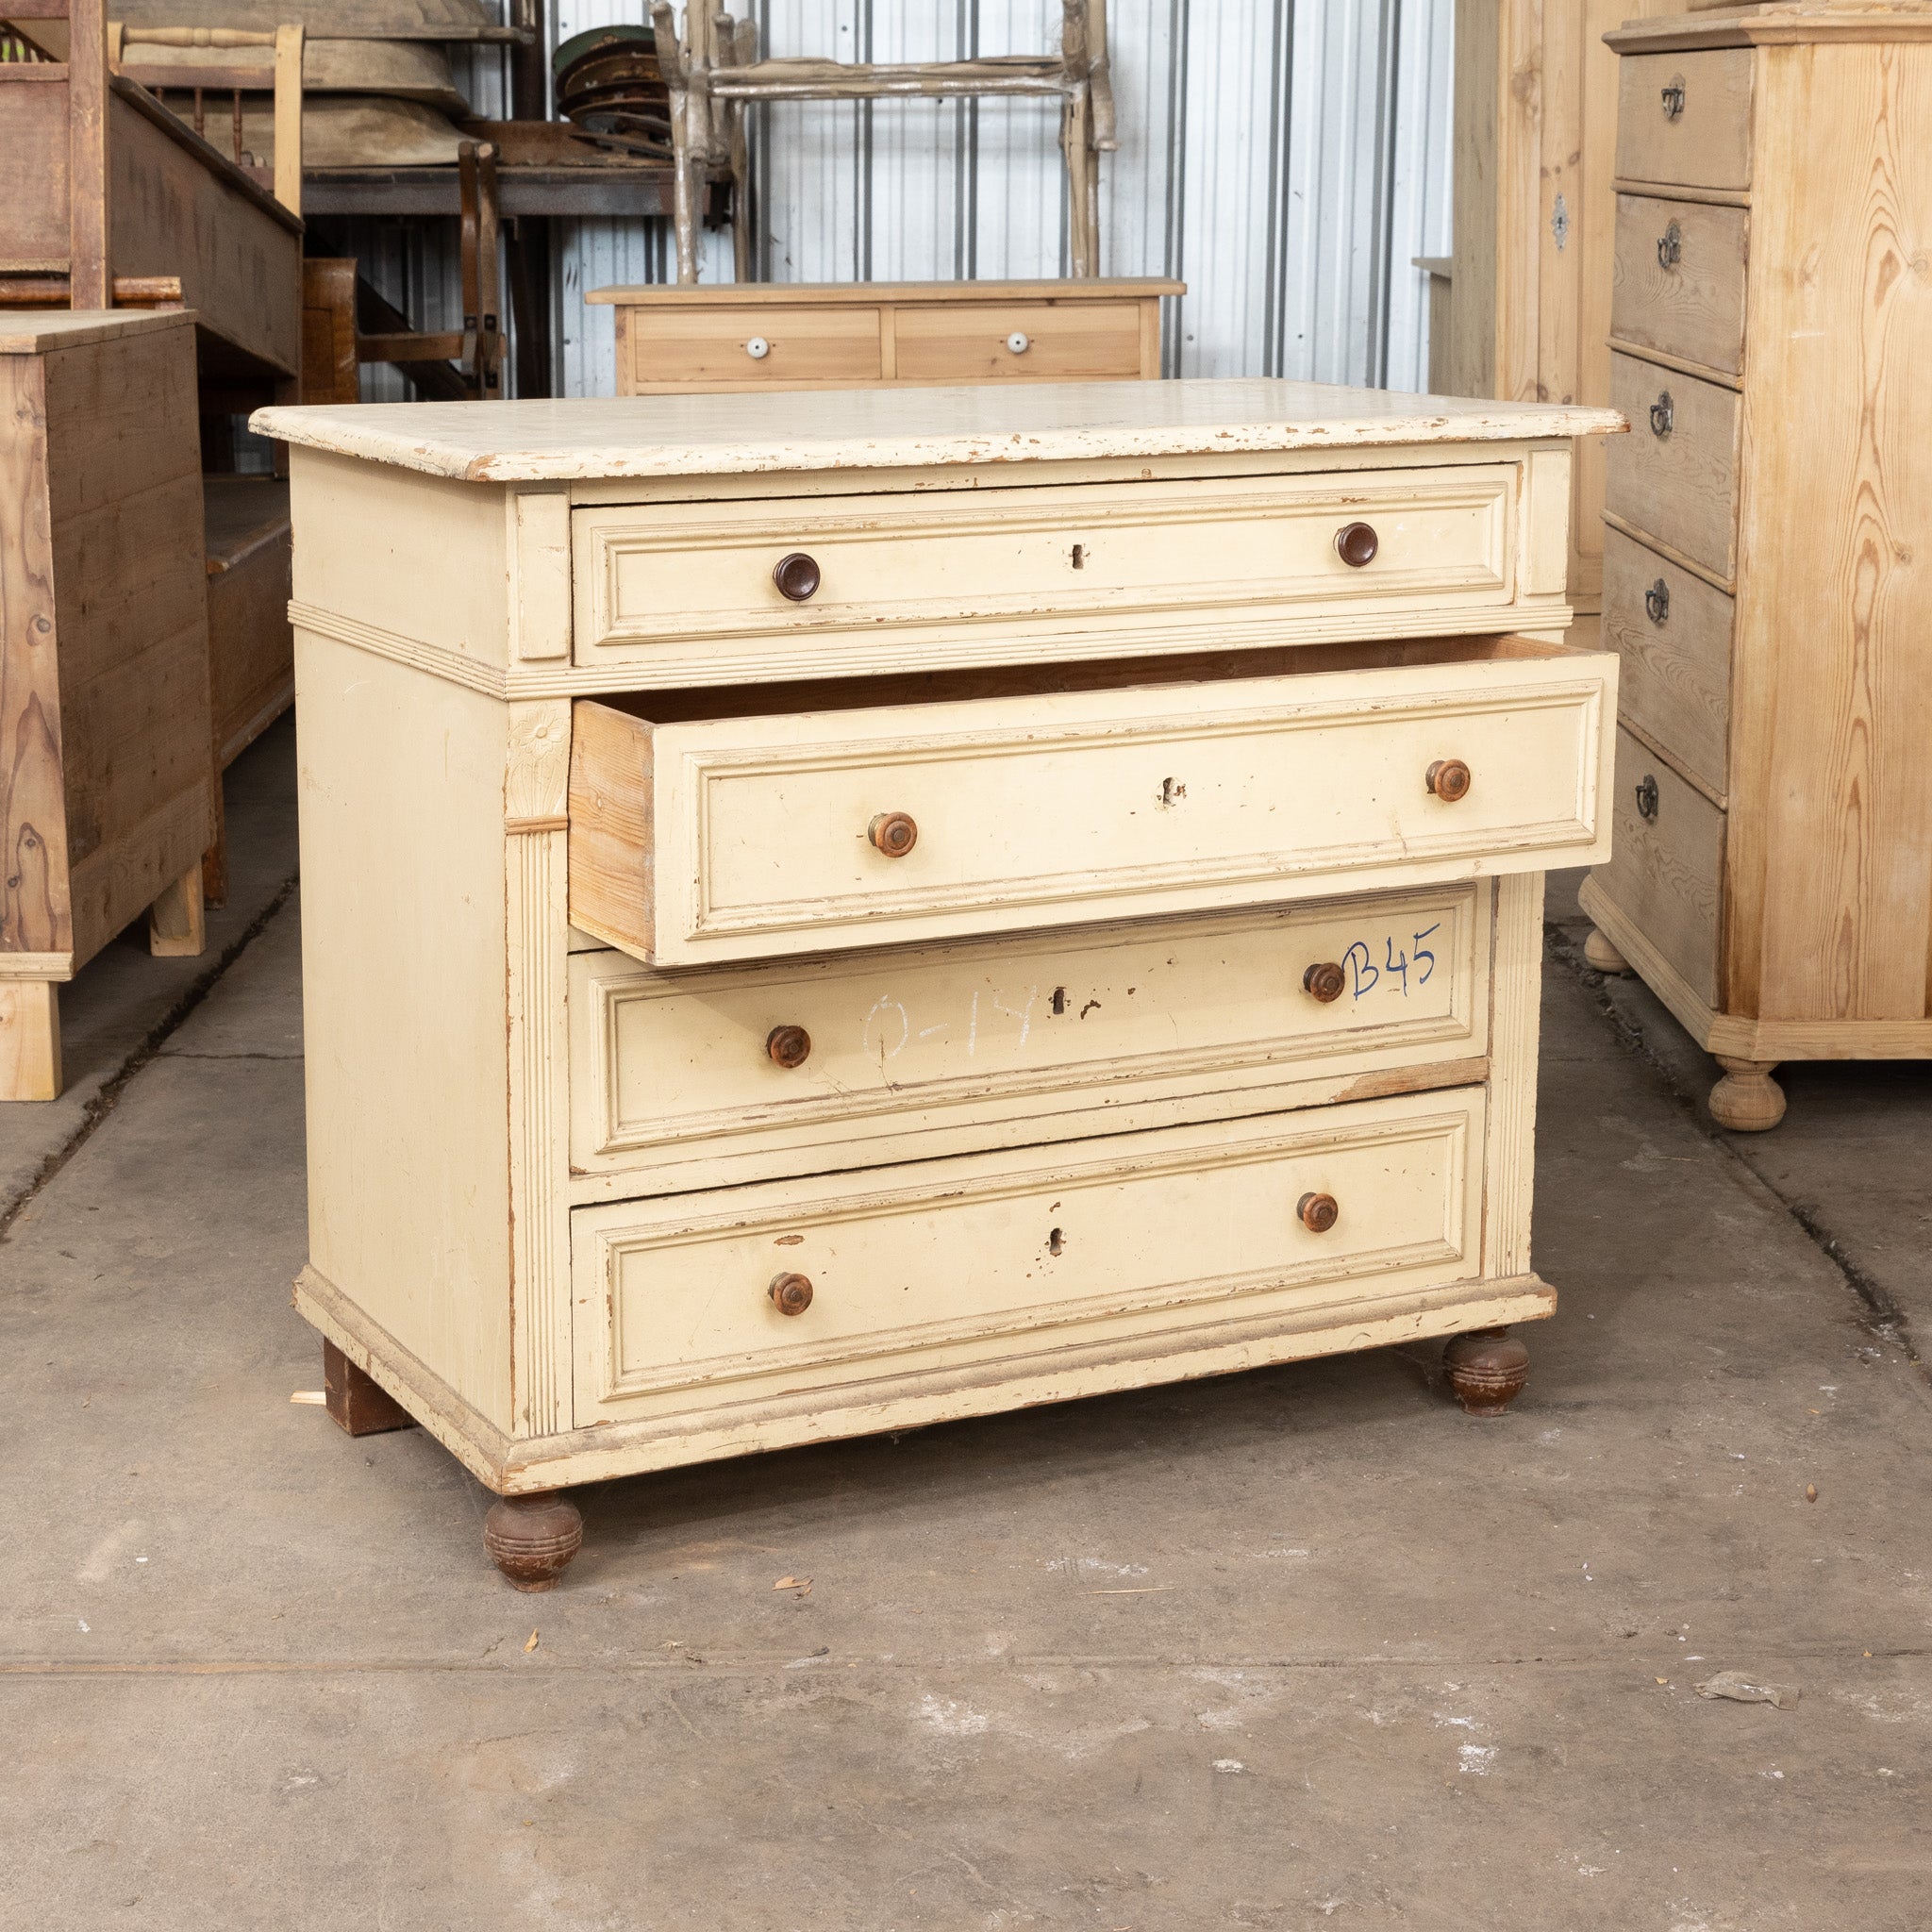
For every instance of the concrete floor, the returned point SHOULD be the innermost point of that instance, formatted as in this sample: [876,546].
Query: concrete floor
[1292,1648]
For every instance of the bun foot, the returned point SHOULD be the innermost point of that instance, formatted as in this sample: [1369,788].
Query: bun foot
[532,1538]
[1747,1100]
[1486,1369]
[1602,956]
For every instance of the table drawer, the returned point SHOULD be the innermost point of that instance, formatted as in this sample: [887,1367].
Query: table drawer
[936,1265]
[1672,633]
[749,836]
[672,347]
[1018,342]
[688,593]
[1677,280]
[1666,869]
[916,1051]
[1676,476]
[1685,119]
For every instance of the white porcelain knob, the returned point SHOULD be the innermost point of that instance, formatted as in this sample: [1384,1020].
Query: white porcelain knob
[758,348]
[1019,342]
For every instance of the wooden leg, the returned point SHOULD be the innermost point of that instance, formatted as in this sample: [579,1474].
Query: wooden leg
[532,1538]
[29,1039]
[214,861]
[1599,953]
[1747,1100]
[175,928]
[1486,1369]
[358,1403]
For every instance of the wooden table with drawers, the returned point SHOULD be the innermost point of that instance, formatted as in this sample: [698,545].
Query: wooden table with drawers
[1766,551]
[844,335]
[827,913]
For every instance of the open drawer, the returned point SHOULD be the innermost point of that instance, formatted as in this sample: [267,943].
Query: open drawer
[845,814]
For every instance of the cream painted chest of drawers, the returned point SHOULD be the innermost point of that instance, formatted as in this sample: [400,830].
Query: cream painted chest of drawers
[827,913]
[1768,556]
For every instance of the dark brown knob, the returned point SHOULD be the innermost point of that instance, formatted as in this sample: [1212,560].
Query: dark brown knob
[791,1294]
[1324,982]
[893,833]
[1317,1213]
[1449,779]
[1356,544]
[790,1046]
[796,576]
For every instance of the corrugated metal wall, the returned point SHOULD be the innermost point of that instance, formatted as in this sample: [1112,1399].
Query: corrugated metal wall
[1287,158]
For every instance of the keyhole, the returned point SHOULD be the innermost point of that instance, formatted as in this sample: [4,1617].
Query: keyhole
[1171,791]
[1079,557]
[1055,1242]
[1058,1002]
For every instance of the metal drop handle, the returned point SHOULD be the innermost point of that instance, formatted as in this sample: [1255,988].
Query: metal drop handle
[1673,100]
[1670,246]
[1656,603]
[1646,796]
[1663,414]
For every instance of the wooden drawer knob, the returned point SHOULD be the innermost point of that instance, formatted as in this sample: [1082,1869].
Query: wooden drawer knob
[1317,1213]
[791,1294]
[796,576]
[893,833]
[1449,779]
[789,1046]
[1324,982]
[1356,544]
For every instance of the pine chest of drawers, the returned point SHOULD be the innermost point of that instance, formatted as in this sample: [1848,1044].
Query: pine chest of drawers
[1766,555]
[758,851]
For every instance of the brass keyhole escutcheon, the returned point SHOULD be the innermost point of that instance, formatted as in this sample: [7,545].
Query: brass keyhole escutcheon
[1356,544]
[791,1294]
[893,833]
[1646,796]
[789,1046]
[797,577]
[1324,982]
[1317,1213]
[1656,603]
[1449,779]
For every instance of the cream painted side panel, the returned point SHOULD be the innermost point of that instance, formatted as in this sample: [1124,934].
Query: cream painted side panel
[921,1051]
[943,1264]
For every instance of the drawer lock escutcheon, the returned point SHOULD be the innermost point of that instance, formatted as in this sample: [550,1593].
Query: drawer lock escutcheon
[1656,603]
[893,833]
[1673,100]
[1646,796]
[1356,544]
[1663,414]
[1449,779]
[791,1294]
[796,576]
[1324,982]
[789,1046]
[1670,246]
[1317,1213]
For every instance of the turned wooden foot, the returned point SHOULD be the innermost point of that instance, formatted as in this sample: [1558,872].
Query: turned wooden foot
[532,1538]
[176,927]
[1599,953]
[358,1401]
[1747,1100]
[1486,1369]
[29,1039]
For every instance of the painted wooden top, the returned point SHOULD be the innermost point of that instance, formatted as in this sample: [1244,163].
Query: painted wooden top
[1777,22]
[31,331]
[817,294]
[889,428]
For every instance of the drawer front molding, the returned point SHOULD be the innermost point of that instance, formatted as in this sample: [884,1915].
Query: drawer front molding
[1173,1230]
[915,1040]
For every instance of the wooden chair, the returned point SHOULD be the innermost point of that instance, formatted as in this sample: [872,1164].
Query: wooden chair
[712,72]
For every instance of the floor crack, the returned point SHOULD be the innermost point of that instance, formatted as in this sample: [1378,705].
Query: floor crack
[1878,1312]
[105,1102]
